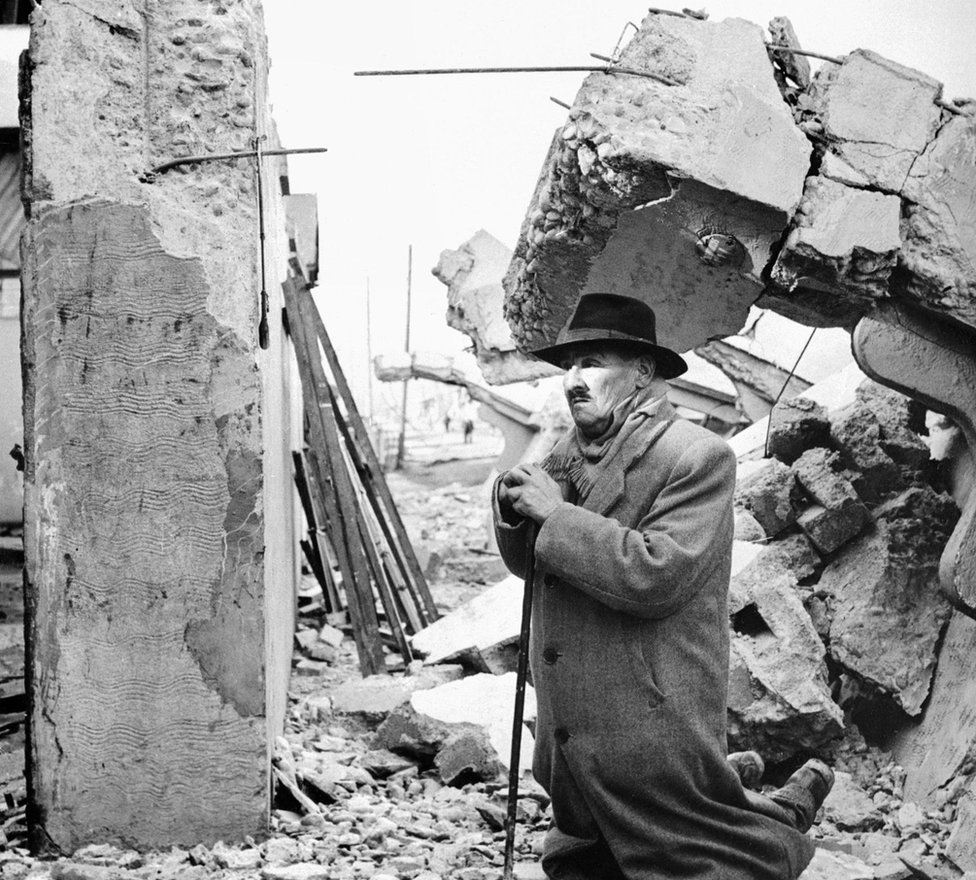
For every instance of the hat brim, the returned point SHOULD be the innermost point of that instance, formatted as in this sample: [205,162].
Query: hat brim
[669,363]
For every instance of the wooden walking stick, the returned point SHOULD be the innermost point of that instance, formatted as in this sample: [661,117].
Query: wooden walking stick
[520,676]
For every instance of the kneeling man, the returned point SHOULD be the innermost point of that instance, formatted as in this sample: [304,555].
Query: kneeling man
[630,627]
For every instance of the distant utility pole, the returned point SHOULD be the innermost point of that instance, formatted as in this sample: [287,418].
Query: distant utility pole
[401,445]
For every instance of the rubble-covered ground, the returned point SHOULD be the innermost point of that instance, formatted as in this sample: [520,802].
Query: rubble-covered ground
[348,807]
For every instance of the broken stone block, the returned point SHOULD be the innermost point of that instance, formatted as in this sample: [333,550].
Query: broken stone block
[489,622]
[856,431]
[794,553]
[766,489]
[779,701]
[795,426]
[902,423]
[467,755]
[838,514]
[934,751]
[830,864]
[486,701]
[888,613]
[938,237]
[473,275]
[409,732]
[375,696]
[879,139]
[844,238]
[747,527]
[961,846]
[849,806]
[660,184]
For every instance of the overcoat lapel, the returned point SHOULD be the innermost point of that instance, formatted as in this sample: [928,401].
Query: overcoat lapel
[609,488]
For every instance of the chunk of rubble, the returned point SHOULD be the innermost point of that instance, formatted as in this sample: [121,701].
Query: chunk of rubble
[838,514]
[473,275]
[779,700]
[658,187]
[849,807]
[375,696]
[936,751]
[830,864]
[482,632]
[449,715]
[888,612]
[796,425]
[767,489]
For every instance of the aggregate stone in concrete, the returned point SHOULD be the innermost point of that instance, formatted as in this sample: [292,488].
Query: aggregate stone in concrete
[663,190]
[767,488]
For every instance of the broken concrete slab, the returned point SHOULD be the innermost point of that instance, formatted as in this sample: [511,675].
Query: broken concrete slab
[849,807]
[838,514]
[796,425]
[844,238]
[489,622]
[661,185]
[829,864]
[936,749]
[888,613]
[375,696]
[467,755]
[779,700]
[881,140]
[961,846]
[767,489]
[939,240]
[473,275]
[486,701]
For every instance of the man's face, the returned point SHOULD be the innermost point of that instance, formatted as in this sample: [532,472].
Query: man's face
[596,380]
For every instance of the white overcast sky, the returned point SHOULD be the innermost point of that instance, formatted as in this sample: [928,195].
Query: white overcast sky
[430,160]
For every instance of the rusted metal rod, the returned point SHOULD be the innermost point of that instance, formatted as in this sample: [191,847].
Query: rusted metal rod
[782,47]
[243,154]
[560,103]
[573,68]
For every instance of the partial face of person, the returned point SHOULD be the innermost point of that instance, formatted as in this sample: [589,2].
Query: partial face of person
[597,380]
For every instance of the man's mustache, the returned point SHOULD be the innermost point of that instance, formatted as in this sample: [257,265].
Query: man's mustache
[573,396]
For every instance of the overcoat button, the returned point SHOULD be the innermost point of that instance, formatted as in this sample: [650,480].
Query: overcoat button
[550,655]
[550,580]
[561,735]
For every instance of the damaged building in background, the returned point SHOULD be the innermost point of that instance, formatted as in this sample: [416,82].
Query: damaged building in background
[724,176]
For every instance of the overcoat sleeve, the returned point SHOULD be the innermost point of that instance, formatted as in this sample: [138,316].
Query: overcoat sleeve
[654,569]
[511,534]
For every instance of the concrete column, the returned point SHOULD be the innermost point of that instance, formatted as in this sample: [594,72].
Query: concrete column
[160,603]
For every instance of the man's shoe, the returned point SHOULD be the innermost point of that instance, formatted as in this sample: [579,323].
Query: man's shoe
[750,768]
[805,791]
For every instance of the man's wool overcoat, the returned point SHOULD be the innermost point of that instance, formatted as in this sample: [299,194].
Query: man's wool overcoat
[629,658]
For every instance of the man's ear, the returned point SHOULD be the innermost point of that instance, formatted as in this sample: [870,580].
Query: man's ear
[645,370]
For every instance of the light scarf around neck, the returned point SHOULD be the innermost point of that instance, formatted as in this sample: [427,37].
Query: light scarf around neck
[582,464]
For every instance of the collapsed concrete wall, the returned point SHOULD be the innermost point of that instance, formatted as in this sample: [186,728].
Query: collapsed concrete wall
[160,607]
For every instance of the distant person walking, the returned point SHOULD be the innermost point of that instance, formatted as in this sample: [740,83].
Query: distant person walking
[467,421]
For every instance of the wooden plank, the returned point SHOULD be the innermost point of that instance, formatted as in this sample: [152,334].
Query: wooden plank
[318,536]
[325,442]
[372,474]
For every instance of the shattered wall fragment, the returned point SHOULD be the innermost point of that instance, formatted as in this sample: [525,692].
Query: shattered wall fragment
[673,192]
[156,431]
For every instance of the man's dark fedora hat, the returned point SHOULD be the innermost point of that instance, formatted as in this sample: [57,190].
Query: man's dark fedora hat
[609,317]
